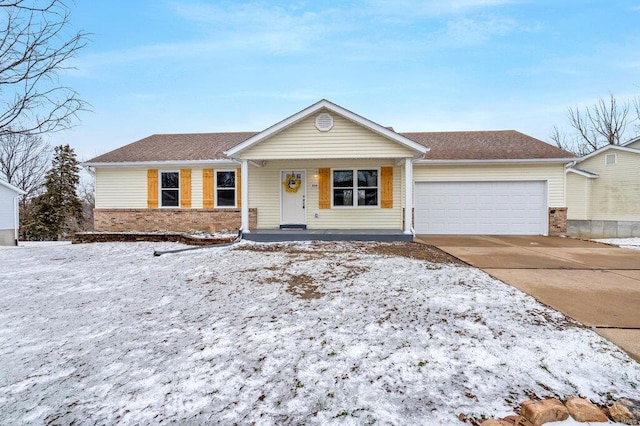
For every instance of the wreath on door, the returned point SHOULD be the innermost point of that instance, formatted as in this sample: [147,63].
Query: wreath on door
[291,183]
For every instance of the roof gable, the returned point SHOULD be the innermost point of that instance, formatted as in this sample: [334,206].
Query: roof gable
[624,148]
[325,105]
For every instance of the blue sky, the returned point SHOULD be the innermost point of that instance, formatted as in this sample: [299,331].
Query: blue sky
[162,66]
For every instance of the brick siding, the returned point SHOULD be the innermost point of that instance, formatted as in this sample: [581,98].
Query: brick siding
[176,220]
[557,220]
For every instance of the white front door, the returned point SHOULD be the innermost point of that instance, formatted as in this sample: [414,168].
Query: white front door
[294,198]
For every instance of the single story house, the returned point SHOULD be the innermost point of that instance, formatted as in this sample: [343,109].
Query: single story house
[603,192]
[327,168]
[9,213]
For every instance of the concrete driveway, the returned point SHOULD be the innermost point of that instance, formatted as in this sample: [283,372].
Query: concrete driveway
[595,284]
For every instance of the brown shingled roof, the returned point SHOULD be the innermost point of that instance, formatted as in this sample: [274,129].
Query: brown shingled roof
[176,147]
[485,145]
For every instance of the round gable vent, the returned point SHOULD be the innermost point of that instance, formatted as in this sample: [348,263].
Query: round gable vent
[324,122]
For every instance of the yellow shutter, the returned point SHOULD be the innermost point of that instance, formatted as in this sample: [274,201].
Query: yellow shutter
[207,188]
[386,187]
[324,188]
[239,187]
[185,188]
[152,188]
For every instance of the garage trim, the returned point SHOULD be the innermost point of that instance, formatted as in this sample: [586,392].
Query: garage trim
[491,207]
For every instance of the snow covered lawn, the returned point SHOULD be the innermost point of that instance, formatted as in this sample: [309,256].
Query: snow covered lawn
[279,334]
[631,243]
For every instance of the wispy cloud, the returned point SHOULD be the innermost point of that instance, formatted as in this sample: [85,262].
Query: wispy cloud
[262,29]
[275,29]
[410,9]
[466,32]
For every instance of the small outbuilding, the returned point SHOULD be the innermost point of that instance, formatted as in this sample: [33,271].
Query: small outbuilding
[9,213]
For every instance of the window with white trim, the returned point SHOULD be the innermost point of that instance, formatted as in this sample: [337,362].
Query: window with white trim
[610,159]
[169,189]
[225,184]
[355,187]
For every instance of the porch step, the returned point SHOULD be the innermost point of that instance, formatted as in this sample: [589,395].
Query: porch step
[277,235]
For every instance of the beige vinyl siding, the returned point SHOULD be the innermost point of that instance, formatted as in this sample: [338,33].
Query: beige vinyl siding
[126,187]
[577,197]
[265,189]
[121,188]
[345,140]
[553,173]
[615,194]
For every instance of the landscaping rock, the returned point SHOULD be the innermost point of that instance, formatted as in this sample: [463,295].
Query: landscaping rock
[547,410]
[495,422]
[584,411]
[626,411]
[517,421]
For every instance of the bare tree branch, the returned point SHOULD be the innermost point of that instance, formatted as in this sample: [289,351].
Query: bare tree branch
[603,123]
[34,48]
[24,162]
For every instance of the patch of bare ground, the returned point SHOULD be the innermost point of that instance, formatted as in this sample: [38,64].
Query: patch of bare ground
[415,251]
[303,287]
[411,250]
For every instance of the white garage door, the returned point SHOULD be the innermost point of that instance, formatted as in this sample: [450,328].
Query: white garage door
[490,208]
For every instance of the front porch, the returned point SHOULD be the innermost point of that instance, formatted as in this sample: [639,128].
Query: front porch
[277,235]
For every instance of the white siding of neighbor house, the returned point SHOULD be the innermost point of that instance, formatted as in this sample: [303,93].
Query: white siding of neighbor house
[615,194]
[577,197]
[345,140]
[635,145]
[552,173]
[7,208]
[266,187]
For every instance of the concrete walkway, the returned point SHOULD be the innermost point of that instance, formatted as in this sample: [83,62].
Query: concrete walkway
[595,284]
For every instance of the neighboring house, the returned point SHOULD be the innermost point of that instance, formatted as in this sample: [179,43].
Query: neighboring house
[603,192]
[327,168]
[9,219]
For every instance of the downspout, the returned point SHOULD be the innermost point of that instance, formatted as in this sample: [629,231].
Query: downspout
[16,218]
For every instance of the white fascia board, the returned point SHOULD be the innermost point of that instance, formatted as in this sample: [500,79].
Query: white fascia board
[607,148]
[629,142]
[11,187]
[584,173]
[161,163]
[325,104]
[498,161]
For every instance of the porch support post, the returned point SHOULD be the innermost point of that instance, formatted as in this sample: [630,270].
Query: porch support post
[244,210]
[408,196]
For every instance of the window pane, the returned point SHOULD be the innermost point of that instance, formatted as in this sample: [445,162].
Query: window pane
[226,197]
[226,179]
[169,198]
[367,178]
[343,179]
[342,197]
[170,180]
[367,197]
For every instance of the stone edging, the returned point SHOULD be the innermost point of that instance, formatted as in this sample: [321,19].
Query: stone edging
[156,237]
[537,412]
